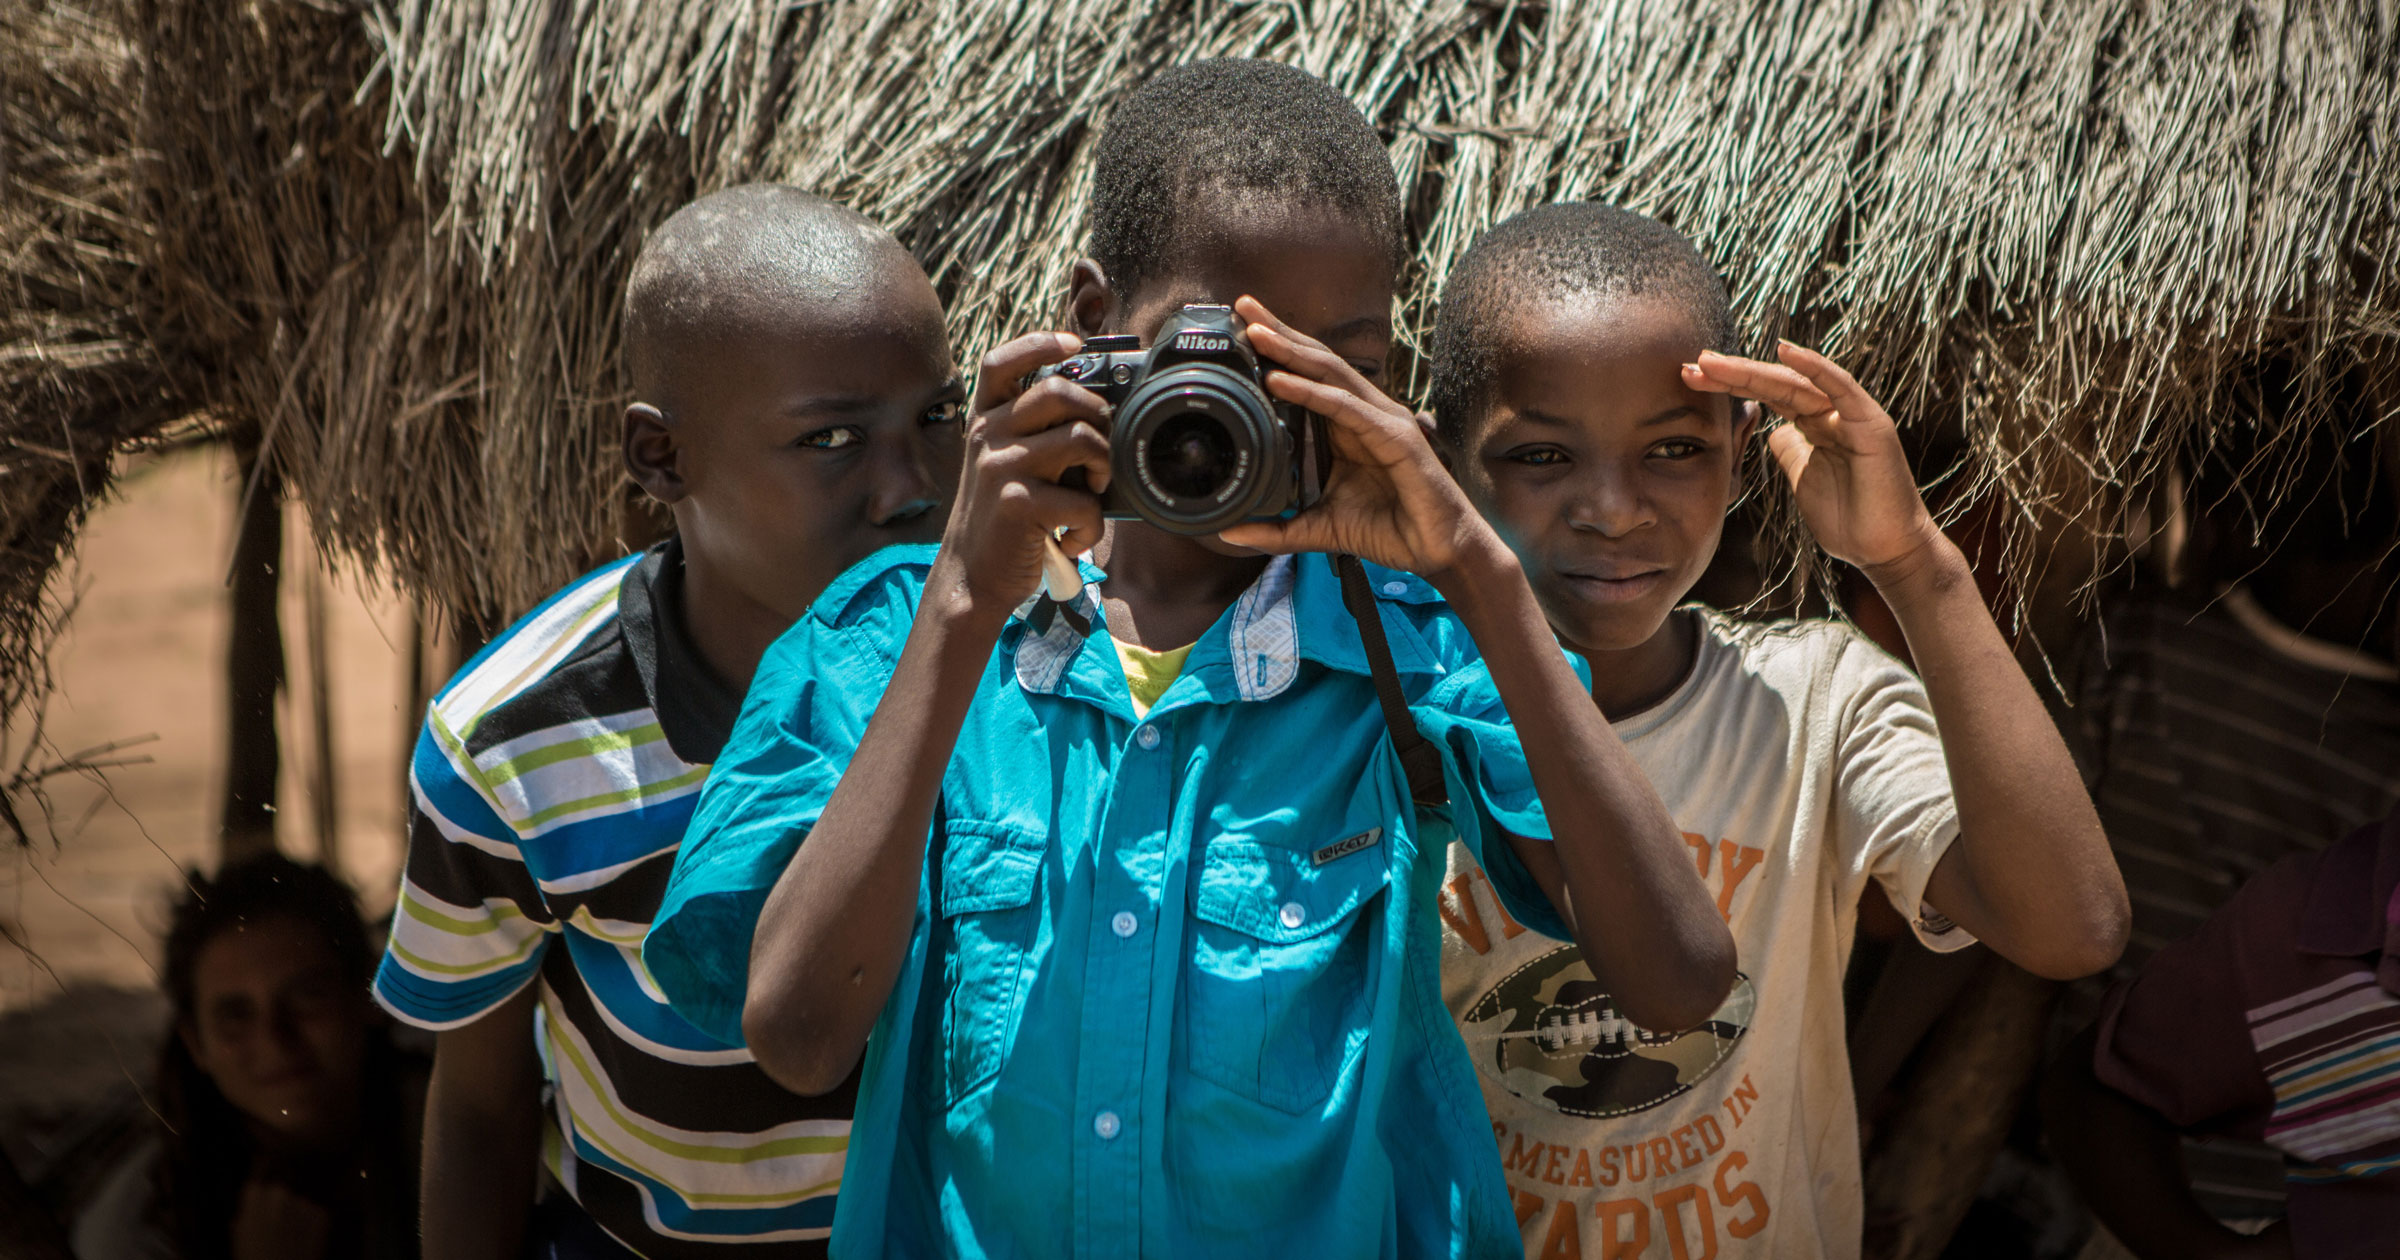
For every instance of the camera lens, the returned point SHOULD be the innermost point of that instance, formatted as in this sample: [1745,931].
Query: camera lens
[1191,455]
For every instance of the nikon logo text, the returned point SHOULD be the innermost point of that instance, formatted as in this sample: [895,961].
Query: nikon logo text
[1198,341]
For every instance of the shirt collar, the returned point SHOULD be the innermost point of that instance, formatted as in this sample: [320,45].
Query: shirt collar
[2353,907]
[696,709]
[1292,612]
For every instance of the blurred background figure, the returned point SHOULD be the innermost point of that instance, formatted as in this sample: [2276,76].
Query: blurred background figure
[287,1120]
[2277,1022]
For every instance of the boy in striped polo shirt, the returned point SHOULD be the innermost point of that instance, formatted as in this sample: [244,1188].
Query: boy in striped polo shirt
[2277,1022]
[798,408]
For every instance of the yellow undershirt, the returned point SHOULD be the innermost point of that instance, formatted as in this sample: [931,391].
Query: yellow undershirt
[1148,674]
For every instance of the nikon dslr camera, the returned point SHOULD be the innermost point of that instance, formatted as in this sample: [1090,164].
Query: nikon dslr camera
[1196,443]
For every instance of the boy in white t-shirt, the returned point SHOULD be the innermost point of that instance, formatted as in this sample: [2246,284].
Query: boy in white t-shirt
[1579,392]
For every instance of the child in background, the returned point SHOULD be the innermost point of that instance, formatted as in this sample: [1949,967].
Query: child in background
[796,407]
[1159,977]
[1581,392]
[287,1121]
[2279,1021]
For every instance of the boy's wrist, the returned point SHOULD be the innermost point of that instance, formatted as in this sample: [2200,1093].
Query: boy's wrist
[1934,567]
[956,612]
[1483,575]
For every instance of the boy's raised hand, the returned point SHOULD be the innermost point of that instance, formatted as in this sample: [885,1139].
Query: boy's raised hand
[1840,451]
[1019,443]
[1387,497]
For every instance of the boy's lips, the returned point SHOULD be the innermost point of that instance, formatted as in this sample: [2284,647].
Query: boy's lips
[1614,583]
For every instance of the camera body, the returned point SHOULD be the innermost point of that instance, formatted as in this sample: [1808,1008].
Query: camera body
[1195,442]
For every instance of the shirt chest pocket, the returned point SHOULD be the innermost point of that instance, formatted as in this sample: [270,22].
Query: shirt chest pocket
[992,937]
[1285,956]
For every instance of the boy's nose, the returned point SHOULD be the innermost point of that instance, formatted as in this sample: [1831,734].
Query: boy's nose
[1611,508]
[904,491]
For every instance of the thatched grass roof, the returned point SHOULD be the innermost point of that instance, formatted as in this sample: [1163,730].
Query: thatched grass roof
[2068,234]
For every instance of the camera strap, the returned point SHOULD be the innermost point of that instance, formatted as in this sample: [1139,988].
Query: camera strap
[1418,756]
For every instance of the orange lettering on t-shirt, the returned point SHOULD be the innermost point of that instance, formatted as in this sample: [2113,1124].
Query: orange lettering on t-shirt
[1678,1240]
[1699,845]
[1609,1165]
[1564,1241]
[1518,1159]
[1662,1157]
[1553,1172]
[1747,1092]
[1712,1134]
[1687,1148]
[1637,1163]
[1745,1193]
[1526,1202]
[1618,1246]
[1466,919]
[1736,864]
[1582,1176]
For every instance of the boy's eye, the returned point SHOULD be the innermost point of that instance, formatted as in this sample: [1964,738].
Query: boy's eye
[945,413]
[832,439]
[1679,448]
[1539,457]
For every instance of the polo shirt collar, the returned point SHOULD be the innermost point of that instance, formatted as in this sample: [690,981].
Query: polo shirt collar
[1293,612]
[2353,907]
[696,709]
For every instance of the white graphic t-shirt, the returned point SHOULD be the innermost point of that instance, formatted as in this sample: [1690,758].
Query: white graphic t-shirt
[1799,760]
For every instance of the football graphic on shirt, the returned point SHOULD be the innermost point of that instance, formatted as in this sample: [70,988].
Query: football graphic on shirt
[1550,1035]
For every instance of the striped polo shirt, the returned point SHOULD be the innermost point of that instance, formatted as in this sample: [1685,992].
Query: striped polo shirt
[551,784]
[2279,1021]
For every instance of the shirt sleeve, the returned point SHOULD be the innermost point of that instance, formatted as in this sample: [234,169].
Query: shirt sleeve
[470,926]
[1894,816]
[1491,789]
[2176,1038]
[803,716]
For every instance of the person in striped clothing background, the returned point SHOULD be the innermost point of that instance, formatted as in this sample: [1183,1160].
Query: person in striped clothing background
[2278,1021]
[797,408]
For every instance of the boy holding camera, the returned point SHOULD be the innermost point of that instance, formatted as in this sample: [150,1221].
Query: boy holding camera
[1581,386]
[796,408]
[1162,978]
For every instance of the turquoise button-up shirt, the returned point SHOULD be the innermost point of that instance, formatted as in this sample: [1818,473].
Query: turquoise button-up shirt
[1174,988]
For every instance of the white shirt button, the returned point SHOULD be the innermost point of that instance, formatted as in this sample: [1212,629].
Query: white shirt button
[1147,737]
[1106,1125]
[1124,924]
[1293,916]
[1395,588]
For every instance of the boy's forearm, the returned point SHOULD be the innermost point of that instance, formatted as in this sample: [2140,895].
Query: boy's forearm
[1640,913]
[483,1136]
[835,929]
[2127,1163]
[2031,872]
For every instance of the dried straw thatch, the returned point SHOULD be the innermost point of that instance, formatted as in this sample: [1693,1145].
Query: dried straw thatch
[2070,233]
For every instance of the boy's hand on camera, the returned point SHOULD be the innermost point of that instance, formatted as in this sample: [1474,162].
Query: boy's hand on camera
[1387,497]
[1019,443]
[1840,451]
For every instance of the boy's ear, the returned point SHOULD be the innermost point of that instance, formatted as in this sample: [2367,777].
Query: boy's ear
[1434,439]
[1745,427]
[1091,300]
[1745,421]
[652,454]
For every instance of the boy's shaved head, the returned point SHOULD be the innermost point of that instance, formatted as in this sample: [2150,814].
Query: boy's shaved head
[746,258]
[1577,250]
[1233,133]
